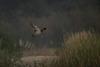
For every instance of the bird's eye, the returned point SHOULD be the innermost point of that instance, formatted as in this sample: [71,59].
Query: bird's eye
[35,30]
[44,28]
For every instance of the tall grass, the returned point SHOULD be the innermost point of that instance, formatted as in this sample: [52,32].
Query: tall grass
[81,49]
[10,51]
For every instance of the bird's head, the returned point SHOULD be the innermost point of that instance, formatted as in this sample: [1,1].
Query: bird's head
[42,30]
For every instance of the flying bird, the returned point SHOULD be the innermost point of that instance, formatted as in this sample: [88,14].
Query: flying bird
[36,30]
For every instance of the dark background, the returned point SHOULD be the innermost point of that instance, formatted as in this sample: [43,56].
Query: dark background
[61,17]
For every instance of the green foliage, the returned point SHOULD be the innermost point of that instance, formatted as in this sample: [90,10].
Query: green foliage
[10,52]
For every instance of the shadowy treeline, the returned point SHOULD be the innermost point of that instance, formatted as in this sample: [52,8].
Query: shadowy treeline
[59,16]
[44,7]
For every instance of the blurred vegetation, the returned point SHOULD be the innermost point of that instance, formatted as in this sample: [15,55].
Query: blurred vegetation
[61,16]
[10,51]
[80,50]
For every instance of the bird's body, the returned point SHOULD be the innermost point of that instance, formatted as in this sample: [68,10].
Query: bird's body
[36,30]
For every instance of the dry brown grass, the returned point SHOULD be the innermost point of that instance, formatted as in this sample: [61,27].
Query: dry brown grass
[81,49]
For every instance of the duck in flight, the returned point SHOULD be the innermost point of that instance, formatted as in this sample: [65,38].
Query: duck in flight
[36,30]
